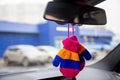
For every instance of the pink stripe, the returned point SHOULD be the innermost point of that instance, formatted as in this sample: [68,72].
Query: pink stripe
[82,66]
[70,44]
[69,73]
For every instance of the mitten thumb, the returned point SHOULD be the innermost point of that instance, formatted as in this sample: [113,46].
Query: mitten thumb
[56,61]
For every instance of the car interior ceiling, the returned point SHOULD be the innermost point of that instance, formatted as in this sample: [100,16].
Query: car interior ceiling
[91,2]
[94,2]
[111,62]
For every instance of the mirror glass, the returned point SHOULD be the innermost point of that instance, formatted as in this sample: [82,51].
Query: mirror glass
[92,17]
[64,13]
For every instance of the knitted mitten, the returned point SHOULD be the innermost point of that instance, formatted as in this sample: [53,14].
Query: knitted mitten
[71,57]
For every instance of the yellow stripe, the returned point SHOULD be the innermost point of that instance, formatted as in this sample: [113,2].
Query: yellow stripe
[66,54]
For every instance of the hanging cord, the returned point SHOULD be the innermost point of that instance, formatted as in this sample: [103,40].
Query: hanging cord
[73,30]
[69,30]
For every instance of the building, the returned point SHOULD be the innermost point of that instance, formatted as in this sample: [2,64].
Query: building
[95,36]
[98,39]
[48,33]
[42,34]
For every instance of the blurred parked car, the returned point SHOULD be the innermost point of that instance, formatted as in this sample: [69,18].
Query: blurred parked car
[94,53]
[49,50]
[24,54]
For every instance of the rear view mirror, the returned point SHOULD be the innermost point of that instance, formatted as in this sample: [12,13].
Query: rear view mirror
[91,15]
[63,13]
[60,12]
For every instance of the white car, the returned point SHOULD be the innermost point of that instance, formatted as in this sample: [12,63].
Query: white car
[49,50]
[24,54]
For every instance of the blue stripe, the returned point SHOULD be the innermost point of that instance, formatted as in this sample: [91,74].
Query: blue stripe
[70,64]
[81,58]
[56,60]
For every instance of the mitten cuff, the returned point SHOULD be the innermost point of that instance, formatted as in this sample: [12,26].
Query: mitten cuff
[71,44]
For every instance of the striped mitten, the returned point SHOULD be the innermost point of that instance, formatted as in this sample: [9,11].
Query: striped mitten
[71,57]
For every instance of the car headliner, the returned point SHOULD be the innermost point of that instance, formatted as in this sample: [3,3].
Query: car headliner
[94,2]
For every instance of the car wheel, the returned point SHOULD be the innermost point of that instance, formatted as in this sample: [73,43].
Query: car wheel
[6,61]
[25,62]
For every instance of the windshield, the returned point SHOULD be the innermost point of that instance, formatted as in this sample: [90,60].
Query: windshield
[22,22]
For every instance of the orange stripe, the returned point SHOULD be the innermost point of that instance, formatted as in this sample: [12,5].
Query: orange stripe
[66,54]
[82,48]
